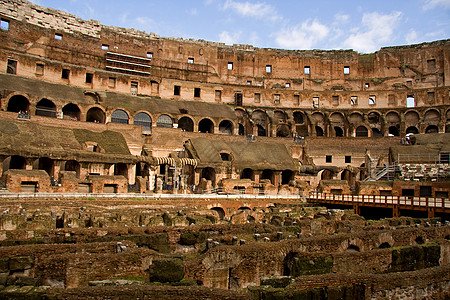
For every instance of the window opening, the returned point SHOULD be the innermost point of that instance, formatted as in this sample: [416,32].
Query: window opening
[431,64]
[230,66]
[197,92]
[190,60]
[268,68]
[105,47]
[372,99]
[430,97]
[335,100]
[149,54]
[58,36]
[134,88]
[410,101]
[39,69]
[249,82]
[4,24]
[257,97]
[297,99]
[238,99]
[391,100]
[218,95]
[366,85]
[307,70]
[176,90]
[89,77]
[112,82]
[315,102]
[354,100]
[12,66]
[348,159]
[346,70]
[328,158]
[276,98]
[225,156]
[65,73]
[288,84]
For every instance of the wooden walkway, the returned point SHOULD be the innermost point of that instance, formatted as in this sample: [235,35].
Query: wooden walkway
[396,203]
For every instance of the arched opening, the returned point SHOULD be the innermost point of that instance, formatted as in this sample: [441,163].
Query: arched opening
[432,117]
[419,240]
[73,165]
[279,117]
[393,130]
[144,120]
[95,115]
[348,176]
[267,174]
[241,129]
[44,163]
[374,118]
[219,211]
[283,131]
[261,130]
[356,118]
[164,121]
[286,176]
[71,111]
[188,173]
[46,108]
[326,175]
[186,124]
[14,162]
[362,131]
[412,117]
[384,245]
[226,127]
[376,132]
[119,116]
[432,129]
[206,126]
[209,174]
[353,248]
[339,132]
[248,173]
[18,103]
[412,129]
[298,117]
[319,131]
[121,169]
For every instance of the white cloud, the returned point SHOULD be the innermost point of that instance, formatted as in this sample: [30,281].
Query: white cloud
[412,37]
[341,18]
[228,38]
[302,36]
[255,10]
[144,21]
[376,29]
[431,4]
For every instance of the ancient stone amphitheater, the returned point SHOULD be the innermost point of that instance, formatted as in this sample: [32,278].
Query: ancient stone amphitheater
[138,166]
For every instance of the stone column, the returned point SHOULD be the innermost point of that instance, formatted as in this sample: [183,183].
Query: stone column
[257,174]
[131,174]
[276,178]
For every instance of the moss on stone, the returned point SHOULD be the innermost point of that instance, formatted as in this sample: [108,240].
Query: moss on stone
[167,270]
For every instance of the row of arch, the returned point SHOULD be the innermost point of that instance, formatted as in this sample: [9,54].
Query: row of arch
[258,122]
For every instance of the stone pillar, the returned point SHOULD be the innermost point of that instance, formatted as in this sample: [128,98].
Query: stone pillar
[276,178]
[197,176]
[56,168]
[151,179]
[257,174]
[131,174]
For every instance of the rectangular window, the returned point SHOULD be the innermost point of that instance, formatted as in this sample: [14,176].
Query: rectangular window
[276,98]
[372,100]
[249,82]
[346,70]
[105,47]
[431,65]
[296,99]
[177,90]
[65,73]
[315,102]
[218,95]
[197,92]
[409,83]
[430,97]
[366,85]
[112,82]
[269,69]
[354,100]
[307,70]
[4,24]
[39,69]
[58,36]
[391,100]
[287,84]
[134,87]
[89,77]
[257,97]
[230,66]
[335,100]
[11,68]
[149,54]
[190,60]
[328,158]
[238,99]
[410,101]
[348,159]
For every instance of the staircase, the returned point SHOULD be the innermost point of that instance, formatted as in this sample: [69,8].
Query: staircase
[387,173]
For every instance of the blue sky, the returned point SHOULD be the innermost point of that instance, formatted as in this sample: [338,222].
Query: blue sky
[364,26]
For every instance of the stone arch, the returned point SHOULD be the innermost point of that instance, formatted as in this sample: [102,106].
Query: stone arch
[412,129]
[325,174]
[206,126]
[18,103]
[352,244]
[96,115]
[120,116]
[186,124]
[71,111]
[241,130]
[338,123]
[121,169]
[361,131]
[393,131]
[247,173]
[14,162]
[374,118]
[432,129]
[319,131]
[338,131]
[245,126]
[73,165]
[143,119]
[432,117]
[46,164]
[209,173]
[268,174]
[412,117]
[299,117]
[348,176]
[393,123]
[226,127]
[46,108]
[164,121]
[283,130]
[279,117]
[385,240]
[356,118]
[261,120]
[287,176]
[220,211]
